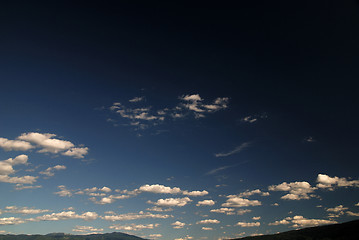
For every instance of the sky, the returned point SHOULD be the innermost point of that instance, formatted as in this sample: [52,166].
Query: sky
[175,120]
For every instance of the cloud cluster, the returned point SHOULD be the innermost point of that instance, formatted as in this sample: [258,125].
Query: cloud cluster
[141,116]
[250,193]
[6,169]
[297,190]
[45,142]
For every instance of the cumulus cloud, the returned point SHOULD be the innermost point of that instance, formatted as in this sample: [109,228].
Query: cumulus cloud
[178,224]
[248,224]
[208,221]
[134,227]
[156,188]
[50,170]
[45,142]
[207,228]
[6,169]
[64,192]
[235,150]
[195,193]
[250,193]
[14,145]
[76,152]
[159,209]
[136,99]
[227,211]
[236,201]
[134,216]
[249,119]
[24,210]
[86,229]
[11,221]
[65,215]
[301,222]
[336,211]
[297,190]
[205,203]
[330,183]
[353,214]
[171,202]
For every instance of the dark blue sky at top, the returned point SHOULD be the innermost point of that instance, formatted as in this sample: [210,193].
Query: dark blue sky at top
[62,63]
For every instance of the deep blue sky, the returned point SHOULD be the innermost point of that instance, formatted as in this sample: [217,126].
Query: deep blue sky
[218,98]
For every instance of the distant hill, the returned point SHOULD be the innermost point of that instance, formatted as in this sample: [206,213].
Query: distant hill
[342,231]
[62,236]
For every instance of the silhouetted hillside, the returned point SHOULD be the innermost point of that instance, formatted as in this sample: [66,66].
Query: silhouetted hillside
[62,236]
[343,231]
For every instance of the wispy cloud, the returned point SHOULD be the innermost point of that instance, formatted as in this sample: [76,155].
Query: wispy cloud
[238,149]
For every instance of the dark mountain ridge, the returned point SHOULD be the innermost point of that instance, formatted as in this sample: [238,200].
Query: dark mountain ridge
[341,231]
[63,236]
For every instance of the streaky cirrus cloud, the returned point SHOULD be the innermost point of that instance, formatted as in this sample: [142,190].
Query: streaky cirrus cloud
[237,149]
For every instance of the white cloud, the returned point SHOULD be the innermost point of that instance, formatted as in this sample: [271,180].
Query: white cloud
[185,238]
[208,221]
[134,216]
[104,200]
[205,203]
[338,209]
[357,205]
[171,202]
[50,170]
[155,235]
[83,229]
[64,192]
[76,152]
[195,193]
[250,119]
[105,189]
[21,180]
[236,201]
[21,159]
[353,214]
[193,98]
[11,221]
[207,228]
[256,218]
[136,99]
[236,150]
[24,210]
[326,182]
[300,221]
[227,211]
[250,193]
[156,188]
[65,215]
[248,224]
[20,186]
[14,145]
[178,224]
[297,190]
[134,227]
[46,142]
[158,209]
